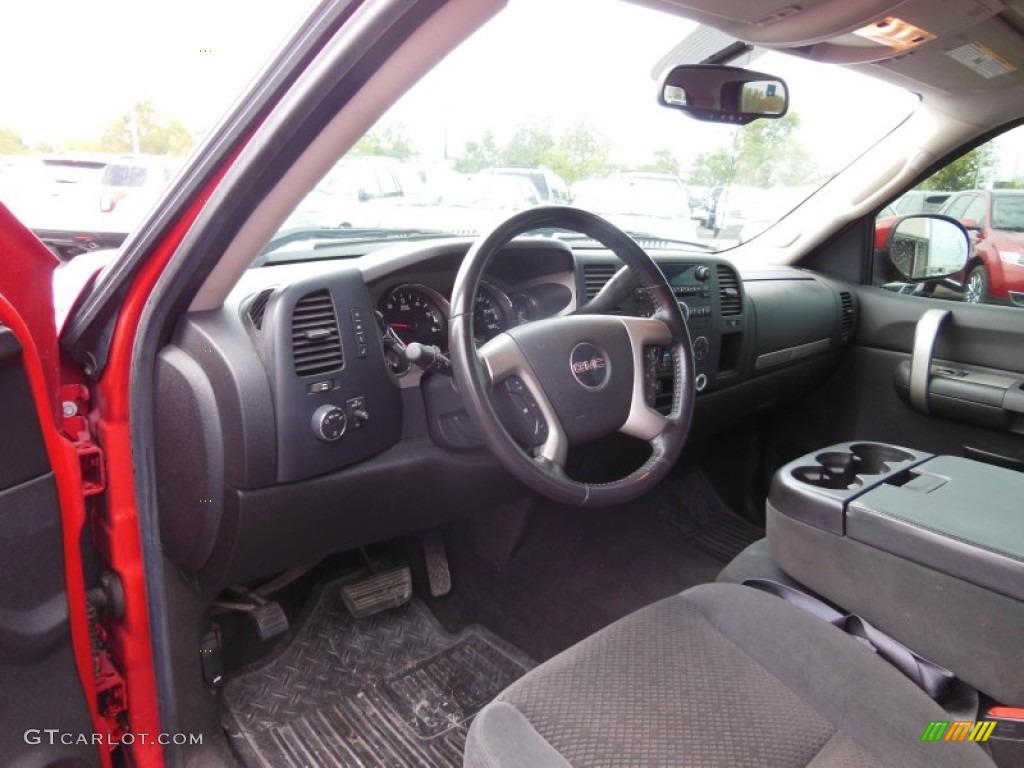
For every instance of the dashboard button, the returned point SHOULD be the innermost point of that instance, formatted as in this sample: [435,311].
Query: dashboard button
[329,423]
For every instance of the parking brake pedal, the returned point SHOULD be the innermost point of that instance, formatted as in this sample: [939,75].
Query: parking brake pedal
[383,590]
[270,620]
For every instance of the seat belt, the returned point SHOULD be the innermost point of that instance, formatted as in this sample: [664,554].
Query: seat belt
[954,695]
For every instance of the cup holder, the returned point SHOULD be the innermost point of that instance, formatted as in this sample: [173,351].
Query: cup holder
[846,470]
[879,454]
[823,478]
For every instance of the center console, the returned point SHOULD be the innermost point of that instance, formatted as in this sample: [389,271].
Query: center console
[929,548]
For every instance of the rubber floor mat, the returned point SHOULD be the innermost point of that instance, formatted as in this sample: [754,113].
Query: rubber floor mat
[690,505]
[393,689]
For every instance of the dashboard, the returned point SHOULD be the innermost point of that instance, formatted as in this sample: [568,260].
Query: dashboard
[292,414]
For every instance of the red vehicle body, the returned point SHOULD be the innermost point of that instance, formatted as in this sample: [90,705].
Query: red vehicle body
[996,220]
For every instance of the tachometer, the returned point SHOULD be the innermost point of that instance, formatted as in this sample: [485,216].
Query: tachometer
[417,313]
[492,313]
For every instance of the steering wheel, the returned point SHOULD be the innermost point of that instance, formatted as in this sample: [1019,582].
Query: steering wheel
[583,374]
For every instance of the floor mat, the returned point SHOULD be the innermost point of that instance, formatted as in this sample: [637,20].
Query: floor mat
[690,505]
[394,689]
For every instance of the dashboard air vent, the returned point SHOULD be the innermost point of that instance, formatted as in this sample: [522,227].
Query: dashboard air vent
[316,343]
[258,307]
[846,315]
[729,291]
[595,276]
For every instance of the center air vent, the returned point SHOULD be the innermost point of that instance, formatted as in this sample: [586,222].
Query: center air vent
[316,344]
[258,307]
[595,276]
[729,295]
[846,315]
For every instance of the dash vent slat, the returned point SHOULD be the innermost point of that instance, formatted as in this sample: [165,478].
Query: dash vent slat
[729,293]
[847,315]
[596,276]
[316,341]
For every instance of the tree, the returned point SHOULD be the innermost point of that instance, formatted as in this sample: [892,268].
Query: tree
[389,142]
[768,154]
[664,162]
[765,153]
[713,169]
[530,146]
[11,143]
[477,155]
[966,172]
[157,133]
[579,153]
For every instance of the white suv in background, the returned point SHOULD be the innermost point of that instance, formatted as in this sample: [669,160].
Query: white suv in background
[129,187]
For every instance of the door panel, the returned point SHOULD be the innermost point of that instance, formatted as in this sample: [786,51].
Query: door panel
[39,682]
[861,400]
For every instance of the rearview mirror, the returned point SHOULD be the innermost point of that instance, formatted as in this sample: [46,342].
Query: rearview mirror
[928,247]
[723,94]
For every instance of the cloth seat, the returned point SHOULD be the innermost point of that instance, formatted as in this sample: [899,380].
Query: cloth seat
[721,676]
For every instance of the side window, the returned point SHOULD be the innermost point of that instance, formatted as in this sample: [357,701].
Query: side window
[973,189]
[975,212]
[957,207]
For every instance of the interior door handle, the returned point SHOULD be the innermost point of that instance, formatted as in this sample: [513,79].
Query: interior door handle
[921,361]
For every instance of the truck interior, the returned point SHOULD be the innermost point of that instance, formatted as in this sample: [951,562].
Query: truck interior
[525,500]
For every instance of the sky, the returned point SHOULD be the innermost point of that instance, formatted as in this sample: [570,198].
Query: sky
[82,62]
[72,66]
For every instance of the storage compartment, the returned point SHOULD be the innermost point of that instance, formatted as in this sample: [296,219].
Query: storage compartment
[816,488]
[928,548]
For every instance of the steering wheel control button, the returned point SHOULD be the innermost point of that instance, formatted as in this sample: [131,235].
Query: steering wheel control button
[526,421]
[700,348]
[329,422]
[700,382]
[589,365]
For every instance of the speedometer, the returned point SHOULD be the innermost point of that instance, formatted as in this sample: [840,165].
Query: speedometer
[492,313]
[417,313]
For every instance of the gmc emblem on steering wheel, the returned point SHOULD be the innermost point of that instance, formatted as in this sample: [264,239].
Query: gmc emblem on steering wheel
[589,365]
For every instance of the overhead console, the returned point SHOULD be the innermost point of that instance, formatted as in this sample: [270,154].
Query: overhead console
[928,548]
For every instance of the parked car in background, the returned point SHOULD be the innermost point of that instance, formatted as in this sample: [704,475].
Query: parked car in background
[129,187]
[653,206]
[551,188]
[920,201]
[471,204]
[995,219]
[360,191]
[735,207]
[56,191]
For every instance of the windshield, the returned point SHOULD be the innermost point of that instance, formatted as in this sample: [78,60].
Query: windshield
[512,135]
[532,109]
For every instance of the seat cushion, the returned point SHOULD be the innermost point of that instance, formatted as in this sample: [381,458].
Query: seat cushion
[721,675]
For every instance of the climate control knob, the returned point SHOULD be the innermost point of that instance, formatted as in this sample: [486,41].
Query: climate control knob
[329,423]
[700,348]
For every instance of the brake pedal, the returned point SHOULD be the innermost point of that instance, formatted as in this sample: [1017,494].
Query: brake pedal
[387,589]
[438,571]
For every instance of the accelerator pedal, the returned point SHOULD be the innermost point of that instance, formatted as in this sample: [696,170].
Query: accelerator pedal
[379,592]
[438,571]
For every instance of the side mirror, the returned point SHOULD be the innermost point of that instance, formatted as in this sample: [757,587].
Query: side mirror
[928,247]
[970,224]
[722,94]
